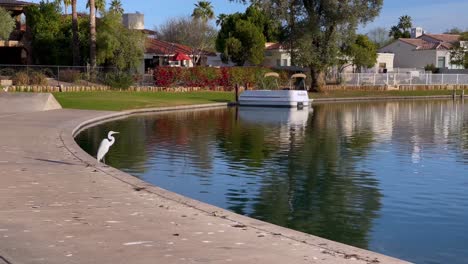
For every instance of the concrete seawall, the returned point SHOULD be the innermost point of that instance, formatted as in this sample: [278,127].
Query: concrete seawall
[59,206]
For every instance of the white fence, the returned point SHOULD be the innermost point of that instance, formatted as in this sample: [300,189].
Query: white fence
[393,79]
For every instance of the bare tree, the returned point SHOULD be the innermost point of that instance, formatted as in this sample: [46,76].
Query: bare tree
[379,36]
[195,33]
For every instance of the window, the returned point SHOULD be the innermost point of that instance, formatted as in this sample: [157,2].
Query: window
[278,62]
[382,67]
[440,62]
[285,62]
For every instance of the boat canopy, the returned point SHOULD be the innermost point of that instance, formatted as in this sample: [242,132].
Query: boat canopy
[272,74]
[302,77]
[299,75]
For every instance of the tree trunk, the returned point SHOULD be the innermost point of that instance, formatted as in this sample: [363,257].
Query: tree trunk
[92,33]
[318,79]
[76,40]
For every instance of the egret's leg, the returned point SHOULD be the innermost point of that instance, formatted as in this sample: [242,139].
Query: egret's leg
[104,160]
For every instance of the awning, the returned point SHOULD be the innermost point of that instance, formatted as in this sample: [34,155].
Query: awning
[181,57]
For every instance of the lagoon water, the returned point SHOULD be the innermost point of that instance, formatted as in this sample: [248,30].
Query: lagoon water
[390,177]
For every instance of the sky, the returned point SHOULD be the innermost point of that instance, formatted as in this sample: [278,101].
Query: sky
[435,16]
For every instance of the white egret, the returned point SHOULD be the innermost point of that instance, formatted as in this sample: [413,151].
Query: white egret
[105,145]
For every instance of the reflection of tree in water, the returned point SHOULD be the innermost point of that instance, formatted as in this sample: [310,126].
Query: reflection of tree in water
[127,151]
[191,132]
[312,185]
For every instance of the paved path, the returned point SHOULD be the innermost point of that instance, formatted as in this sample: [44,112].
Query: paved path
[58,206]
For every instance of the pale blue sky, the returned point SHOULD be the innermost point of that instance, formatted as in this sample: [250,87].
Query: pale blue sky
[434,16]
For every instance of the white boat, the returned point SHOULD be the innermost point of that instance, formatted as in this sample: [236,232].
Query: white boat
[286,97]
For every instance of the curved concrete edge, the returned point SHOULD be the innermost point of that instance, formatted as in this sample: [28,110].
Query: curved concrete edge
[336,249]
[383,98]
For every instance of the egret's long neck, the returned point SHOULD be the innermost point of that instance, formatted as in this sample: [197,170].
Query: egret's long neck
[111,140]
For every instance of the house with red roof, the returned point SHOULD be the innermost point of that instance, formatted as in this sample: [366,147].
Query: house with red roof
[424,50]
[163,53]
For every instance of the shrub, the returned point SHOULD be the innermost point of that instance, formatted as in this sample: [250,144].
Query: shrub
[37,78]
[21,78]
[166,76]
[118,80]
[432,68]
[70,76]
[48,72]
[210,77]
[7,72]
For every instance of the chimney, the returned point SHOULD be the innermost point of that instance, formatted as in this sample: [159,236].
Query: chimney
[417,32]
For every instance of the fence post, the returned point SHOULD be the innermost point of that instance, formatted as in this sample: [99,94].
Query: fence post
[387,79]
[458,75]
[374,78]
[58,73]
[357,80]
[442,81]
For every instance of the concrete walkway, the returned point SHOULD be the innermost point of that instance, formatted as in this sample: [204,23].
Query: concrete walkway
[57,206]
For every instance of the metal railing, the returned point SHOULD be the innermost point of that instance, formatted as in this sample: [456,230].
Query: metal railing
[394,79]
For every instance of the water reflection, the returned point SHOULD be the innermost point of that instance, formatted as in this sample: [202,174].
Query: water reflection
[389,176]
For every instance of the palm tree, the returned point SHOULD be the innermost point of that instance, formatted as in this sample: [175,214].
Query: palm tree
[99,5]
[405,23]
[116,6]
[203,10]
[92,33]
[66,4]
[220,20]
[76,39]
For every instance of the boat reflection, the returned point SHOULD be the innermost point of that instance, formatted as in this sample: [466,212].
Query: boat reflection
[291,117]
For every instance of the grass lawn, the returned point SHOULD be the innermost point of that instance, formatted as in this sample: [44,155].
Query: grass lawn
[117,101]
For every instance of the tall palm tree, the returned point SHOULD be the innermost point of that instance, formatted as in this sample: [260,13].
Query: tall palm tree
[405,23]
[92,33]
[76,39]
[116,6]
[220,20]
[66,4]
[99,5]
[203,10]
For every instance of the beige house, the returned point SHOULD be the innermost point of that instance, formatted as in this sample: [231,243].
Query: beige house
[422,51]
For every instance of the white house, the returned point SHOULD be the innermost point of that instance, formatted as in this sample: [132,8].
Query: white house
[384,63]
[422,51]
[276,55]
